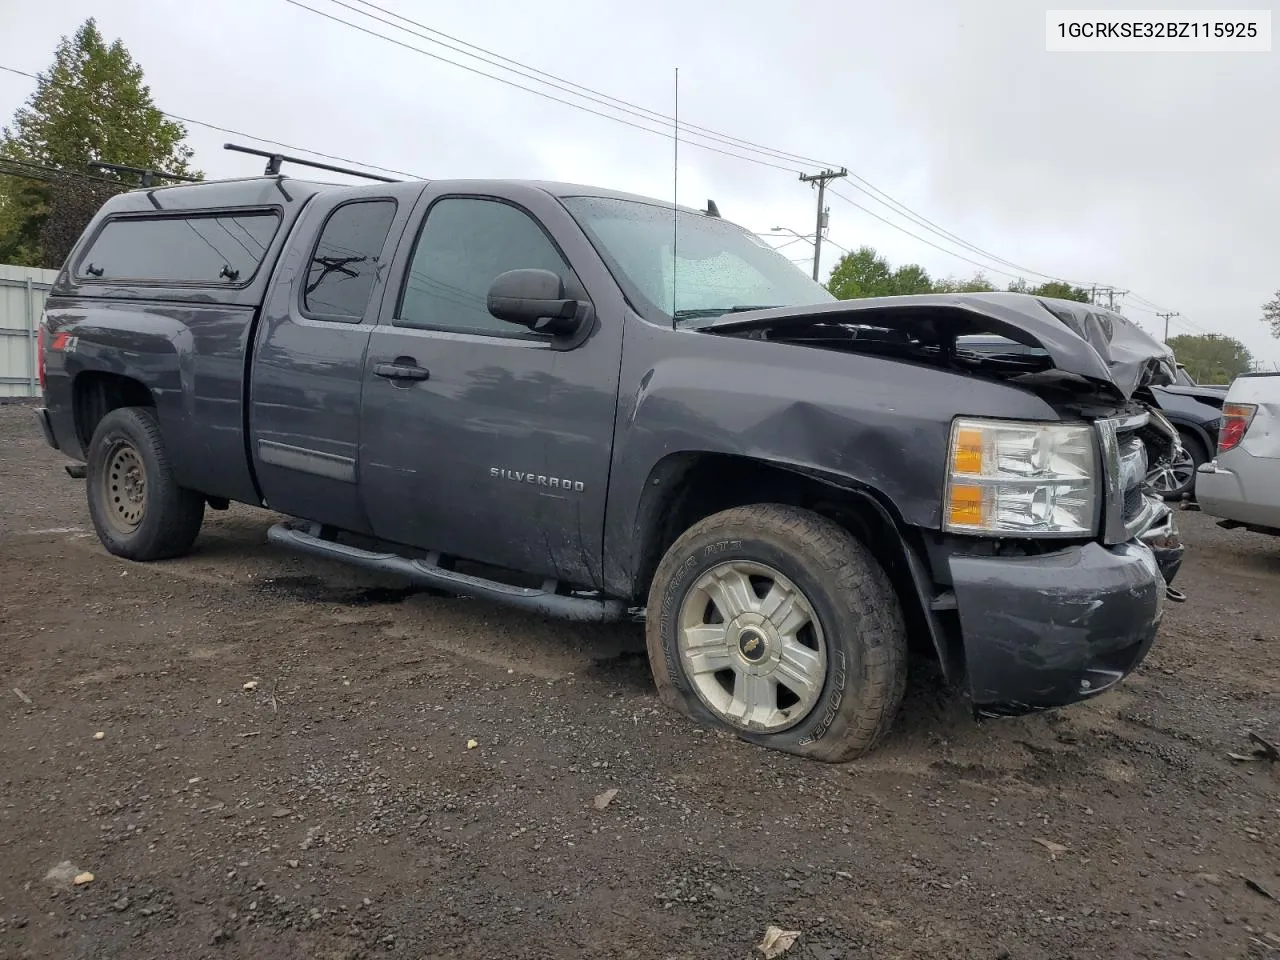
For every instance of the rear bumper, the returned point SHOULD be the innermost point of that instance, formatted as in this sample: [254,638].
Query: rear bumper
[46,426]
[1049,630]
[1246,489]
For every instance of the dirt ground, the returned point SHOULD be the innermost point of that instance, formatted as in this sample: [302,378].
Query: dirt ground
[258,755]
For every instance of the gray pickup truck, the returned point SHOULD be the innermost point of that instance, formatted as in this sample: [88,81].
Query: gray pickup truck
[520,391]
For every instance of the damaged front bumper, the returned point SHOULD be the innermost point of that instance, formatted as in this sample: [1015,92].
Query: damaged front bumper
[1048,630]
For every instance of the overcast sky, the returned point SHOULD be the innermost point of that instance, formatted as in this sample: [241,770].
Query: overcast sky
[1154,173]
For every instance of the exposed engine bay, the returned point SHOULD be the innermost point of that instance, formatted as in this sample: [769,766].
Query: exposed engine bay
[1081,358]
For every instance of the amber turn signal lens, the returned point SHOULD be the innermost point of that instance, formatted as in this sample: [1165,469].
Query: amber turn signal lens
[968,451]
[966,506]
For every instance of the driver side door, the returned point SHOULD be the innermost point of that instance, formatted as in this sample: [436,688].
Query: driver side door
[498,447]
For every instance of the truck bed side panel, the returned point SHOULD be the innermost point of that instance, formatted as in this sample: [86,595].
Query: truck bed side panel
[191,359]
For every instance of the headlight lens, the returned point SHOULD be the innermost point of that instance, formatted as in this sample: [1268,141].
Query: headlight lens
[1014,478]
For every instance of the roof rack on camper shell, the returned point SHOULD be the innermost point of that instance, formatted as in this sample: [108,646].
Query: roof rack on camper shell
[275,160]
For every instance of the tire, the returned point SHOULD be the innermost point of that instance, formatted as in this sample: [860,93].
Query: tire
[855,671]
[1173,481]
[138,510]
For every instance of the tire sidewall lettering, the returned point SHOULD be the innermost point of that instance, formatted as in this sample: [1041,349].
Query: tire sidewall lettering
[839,672]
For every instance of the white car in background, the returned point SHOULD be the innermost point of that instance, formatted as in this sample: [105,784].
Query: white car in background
[1241,484]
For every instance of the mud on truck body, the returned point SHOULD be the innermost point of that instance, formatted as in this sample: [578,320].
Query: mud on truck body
[519,391]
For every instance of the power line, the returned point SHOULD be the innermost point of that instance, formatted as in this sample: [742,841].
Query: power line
[916,236]
[492,58]
[38,171]
[868,188]
[240,133]
[693,129]
[529,72]
[538,93]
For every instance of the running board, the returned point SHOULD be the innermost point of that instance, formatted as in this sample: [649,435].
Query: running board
[428,572]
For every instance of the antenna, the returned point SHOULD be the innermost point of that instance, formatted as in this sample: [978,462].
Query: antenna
[675,191]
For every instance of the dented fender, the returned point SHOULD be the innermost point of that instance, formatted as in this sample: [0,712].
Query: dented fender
[868,424]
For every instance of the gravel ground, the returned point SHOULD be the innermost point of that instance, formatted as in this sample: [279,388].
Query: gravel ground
[257,755]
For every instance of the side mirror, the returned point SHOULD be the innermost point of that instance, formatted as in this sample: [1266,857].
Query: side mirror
[535,299]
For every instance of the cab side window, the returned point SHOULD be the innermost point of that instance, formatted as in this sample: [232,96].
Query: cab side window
[344,263]
[465,244]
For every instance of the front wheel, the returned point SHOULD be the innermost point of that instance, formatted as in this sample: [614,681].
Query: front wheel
[778,625]
[1174,477]
[137,508]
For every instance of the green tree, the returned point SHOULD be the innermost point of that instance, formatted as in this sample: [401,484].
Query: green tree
[1211,358]
[862,273]
[912,278]
[1271,314]
[91,104]
[1054,289]
[978,283]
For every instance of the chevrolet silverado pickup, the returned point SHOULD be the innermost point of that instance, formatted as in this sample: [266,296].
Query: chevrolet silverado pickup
[597,406]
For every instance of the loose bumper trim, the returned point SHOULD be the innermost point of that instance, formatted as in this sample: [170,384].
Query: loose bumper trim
[46,426]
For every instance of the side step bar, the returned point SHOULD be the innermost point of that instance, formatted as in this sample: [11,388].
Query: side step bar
[428,572]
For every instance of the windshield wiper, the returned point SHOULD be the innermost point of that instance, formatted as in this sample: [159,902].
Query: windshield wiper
[704,312]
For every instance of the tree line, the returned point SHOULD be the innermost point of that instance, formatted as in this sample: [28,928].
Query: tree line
[865,273]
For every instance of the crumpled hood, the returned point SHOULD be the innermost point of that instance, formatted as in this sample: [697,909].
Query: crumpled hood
[1080,338]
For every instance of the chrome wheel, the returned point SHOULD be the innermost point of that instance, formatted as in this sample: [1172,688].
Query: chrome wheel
[752,647]
[1174,474]
[124,484]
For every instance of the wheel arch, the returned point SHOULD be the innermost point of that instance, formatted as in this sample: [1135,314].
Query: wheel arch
[684,488]
[95,393]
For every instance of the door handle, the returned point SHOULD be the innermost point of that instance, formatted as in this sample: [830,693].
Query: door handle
[401,371]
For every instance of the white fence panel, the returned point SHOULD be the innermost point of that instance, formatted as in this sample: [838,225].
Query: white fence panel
[22,293]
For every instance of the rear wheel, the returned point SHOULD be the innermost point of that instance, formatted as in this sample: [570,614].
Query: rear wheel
[778,625]
[137,508]
[1174,477]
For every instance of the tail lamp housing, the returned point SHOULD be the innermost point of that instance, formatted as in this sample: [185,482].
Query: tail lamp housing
[1236,418]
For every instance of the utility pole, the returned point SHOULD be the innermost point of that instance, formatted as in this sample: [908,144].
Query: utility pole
[821,180]
[1110,292]
[1165,317]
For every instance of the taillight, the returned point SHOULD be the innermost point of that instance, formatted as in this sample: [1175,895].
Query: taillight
[40,336]
[1236,418]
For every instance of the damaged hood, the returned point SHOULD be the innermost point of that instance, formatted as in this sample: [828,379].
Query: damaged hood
[1082,339]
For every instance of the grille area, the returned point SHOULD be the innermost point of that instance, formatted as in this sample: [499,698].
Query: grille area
[1127,510]
[1133,475]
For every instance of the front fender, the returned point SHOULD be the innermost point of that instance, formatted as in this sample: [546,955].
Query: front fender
[865,422]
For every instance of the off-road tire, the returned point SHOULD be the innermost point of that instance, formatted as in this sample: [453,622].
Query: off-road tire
[851,595]
[171,515]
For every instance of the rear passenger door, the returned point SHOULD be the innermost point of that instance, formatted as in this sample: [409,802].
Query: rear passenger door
[500,451]
[309,356]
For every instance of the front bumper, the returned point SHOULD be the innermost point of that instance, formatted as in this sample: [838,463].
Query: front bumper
[1054,629]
